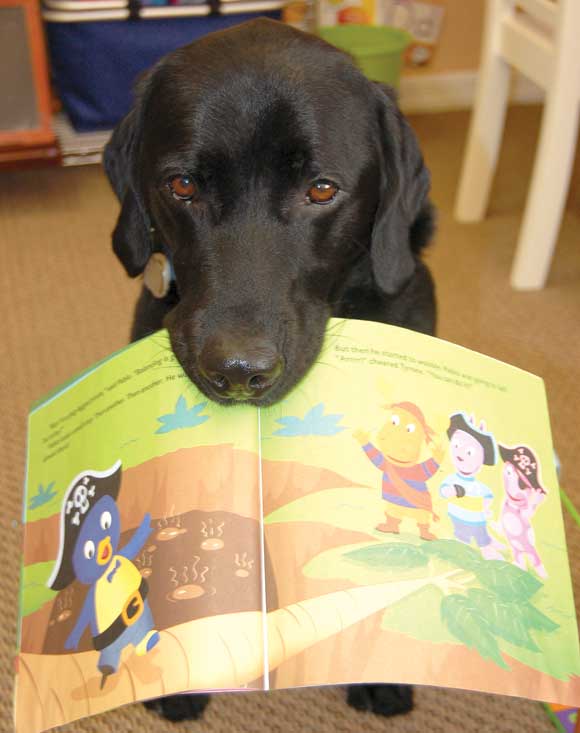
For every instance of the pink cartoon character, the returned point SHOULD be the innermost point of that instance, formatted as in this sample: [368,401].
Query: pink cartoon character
[523,494]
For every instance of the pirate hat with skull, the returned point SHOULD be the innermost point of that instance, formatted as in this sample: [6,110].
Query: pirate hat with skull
[82,494]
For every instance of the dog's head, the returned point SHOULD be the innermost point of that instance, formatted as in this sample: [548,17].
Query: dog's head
[268,167]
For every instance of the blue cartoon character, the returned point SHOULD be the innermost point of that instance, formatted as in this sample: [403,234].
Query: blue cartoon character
[469,498]
[115,607]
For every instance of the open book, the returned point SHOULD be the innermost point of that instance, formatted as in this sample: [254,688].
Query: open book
[395,519]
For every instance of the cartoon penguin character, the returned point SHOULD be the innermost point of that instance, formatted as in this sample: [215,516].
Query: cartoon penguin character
[116,607]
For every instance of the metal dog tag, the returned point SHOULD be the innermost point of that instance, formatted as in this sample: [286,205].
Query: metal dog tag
[157,275]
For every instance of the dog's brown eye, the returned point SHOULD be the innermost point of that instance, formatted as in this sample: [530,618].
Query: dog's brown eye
[322,192]
[183,188]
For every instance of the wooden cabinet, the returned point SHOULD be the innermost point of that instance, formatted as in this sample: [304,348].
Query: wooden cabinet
[25,107]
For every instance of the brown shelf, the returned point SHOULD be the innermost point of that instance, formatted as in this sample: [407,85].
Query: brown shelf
[26,134]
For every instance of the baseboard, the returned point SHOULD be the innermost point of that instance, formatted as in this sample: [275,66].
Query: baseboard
[456,90]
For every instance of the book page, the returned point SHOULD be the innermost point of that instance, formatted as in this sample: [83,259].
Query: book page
[413,522]
[142,551]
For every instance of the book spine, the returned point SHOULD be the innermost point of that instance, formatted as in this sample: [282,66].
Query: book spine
[263,560]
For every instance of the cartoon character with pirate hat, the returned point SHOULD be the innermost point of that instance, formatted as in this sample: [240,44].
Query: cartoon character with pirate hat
[115,607]
[469,498]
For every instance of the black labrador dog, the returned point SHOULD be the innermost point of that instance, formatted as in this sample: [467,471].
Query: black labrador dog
[284,188]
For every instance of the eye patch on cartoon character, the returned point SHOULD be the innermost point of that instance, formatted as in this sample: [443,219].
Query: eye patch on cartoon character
[116,607]
[397,454]
[523,495]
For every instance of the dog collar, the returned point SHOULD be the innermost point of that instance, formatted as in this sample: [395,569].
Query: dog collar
[158,275]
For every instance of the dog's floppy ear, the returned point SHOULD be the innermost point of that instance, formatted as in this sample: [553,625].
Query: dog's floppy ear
[131,237]
[403,222]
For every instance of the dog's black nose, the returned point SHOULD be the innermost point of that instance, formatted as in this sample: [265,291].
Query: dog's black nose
[241,371]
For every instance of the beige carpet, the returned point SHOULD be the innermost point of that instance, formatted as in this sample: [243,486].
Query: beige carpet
[65,302]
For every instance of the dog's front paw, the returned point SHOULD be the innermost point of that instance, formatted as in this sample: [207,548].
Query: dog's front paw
[179,707]
[384,700]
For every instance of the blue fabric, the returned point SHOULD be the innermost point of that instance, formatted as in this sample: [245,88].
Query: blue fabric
[466,531]
[474,489]
[95,65]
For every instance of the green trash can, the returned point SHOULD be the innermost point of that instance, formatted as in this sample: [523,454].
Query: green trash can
[377,50]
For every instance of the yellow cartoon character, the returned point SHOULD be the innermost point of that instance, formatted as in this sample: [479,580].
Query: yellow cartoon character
[400,442]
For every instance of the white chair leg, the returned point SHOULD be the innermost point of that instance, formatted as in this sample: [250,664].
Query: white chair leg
[548,190]
[487,122]
[554,159]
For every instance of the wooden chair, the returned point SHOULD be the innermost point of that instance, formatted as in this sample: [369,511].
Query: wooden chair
[541,39]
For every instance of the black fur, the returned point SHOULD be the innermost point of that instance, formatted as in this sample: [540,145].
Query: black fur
[255,114]
[384,700]
[179,707]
